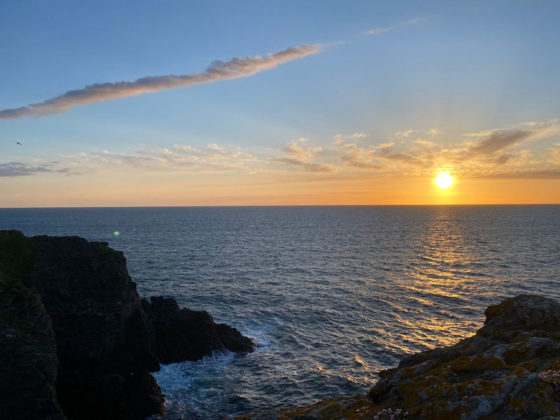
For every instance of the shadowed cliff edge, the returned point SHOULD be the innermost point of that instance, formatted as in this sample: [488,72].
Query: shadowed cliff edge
[510,369]
[77,342]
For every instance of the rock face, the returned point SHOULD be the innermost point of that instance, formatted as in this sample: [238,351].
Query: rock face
[28,360]
[182,334]
[491,375]
[494,373]
[87,341]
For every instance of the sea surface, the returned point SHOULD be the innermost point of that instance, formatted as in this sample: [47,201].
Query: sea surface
[331,295]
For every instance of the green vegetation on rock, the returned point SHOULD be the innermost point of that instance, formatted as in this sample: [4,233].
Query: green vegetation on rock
[16,256]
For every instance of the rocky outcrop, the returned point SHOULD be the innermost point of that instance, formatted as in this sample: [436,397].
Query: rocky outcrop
[505,371]
[28,360]
[87,340]
[182,334]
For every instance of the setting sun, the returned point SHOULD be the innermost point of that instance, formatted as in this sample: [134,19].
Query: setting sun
[444,180]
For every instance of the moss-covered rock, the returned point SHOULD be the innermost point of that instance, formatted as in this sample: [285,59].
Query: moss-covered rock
[491,375]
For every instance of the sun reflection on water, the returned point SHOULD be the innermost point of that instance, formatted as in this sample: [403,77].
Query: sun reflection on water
[441,275]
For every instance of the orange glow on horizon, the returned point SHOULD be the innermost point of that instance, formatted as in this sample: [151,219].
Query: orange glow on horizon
[161,189]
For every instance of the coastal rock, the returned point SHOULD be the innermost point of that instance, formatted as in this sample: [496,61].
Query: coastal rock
[499,373]
[75,338]
[27,341]
[494,373]
[103,343]
[183,334]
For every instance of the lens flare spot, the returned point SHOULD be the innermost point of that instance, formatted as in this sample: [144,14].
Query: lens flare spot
[116,233]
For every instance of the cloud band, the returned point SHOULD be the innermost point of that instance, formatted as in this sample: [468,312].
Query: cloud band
[218,70]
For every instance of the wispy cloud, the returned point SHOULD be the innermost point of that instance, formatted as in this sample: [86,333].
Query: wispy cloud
[485,154]
[495,148]
[218,70]
[497,141]
[380,30]
[377,31]
[182,158]
[212,158]
[359,157]
[12,169]
[555,154]
[300,154]
[425,143]
[405,133]
[553,173]
[499,153]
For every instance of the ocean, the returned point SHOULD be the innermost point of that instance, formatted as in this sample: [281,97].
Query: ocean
[331,295]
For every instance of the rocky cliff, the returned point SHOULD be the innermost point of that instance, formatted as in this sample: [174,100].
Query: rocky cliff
[76,341]
[510,369]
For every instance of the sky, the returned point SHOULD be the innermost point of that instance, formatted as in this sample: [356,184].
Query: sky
[210,103]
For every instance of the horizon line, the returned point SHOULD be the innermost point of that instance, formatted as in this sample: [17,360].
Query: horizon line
[281,205]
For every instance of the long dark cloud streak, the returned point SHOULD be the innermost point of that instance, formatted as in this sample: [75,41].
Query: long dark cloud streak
[218,70]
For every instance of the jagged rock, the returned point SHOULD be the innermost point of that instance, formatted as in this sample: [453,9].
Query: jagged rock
[72,303]
[182,334]
[28,360]
[97,319]
[491,375]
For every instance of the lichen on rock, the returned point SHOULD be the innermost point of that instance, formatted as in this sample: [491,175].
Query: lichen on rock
[491,375]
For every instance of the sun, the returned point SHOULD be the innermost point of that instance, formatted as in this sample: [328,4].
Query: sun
[444,180]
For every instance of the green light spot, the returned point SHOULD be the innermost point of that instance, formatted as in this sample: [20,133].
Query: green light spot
[116,233]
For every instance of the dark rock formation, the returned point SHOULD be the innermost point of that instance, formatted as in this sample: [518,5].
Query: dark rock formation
[28,361]
[182,334]
[499,373]
[103,338]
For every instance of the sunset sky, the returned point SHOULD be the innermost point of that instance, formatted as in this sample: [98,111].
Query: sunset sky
[145,103]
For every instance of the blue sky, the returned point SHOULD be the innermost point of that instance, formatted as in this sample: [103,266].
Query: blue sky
[447,73]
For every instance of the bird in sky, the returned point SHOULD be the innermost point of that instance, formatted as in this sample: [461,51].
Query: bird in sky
[17,142]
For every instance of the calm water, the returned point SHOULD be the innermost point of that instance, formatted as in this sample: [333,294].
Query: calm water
[331,294]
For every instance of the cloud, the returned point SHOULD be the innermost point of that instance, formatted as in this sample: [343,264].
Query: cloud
[495,142]
[342,140]
[425,143]
[401,157]
[218,70]
[301,155]
[492,153]
[307,166]
[556,154]
[405,133]
[300,150]
[11,169]
[179,158]
[553,173]
[361,158]
[377,31]
[357,156]
[498,140]
[386,145]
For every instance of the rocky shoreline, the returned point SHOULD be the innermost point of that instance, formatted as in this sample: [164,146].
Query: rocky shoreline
[510,369]
[76,340]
